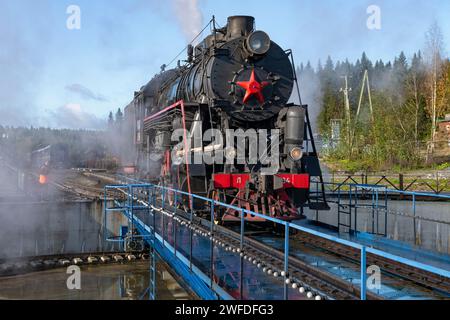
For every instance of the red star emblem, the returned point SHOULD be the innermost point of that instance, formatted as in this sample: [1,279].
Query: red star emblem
[253,88]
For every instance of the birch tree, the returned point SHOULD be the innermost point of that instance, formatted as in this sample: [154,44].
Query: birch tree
[433,58]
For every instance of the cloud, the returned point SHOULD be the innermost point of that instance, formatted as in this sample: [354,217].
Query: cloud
[21,64]
[85,93]
[72,116]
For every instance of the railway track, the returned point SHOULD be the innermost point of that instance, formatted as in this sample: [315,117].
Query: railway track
[76,189]
[418,276]
[271,261]
[299,271]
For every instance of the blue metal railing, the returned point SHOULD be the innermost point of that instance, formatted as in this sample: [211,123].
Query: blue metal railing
[348,196]
[390,191]
[287,226]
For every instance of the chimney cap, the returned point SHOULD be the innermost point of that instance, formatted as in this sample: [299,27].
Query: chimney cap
[240,26]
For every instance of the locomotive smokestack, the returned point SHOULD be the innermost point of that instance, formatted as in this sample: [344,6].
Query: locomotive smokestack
[239,26]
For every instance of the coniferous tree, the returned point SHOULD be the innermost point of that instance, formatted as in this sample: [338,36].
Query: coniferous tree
[119,116]
[399,92]
[110,120]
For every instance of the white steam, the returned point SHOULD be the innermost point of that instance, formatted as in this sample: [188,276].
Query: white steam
[189,17]
[311,94]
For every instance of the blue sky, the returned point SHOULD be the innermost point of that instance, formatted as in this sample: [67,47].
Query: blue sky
[50,75]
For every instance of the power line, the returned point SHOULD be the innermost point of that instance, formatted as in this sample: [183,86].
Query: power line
[190,43]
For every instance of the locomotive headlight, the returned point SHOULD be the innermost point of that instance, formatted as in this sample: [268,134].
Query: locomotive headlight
[258,42]
[296,154]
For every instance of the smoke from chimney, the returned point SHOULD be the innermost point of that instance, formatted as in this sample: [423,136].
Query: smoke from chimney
[189,17]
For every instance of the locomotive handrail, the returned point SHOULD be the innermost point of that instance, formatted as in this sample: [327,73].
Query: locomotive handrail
[180,104]
[362,248]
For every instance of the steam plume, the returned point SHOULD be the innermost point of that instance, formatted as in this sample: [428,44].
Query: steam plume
[189,17]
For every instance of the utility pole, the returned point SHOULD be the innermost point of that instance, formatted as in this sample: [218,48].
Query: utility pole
[365,82]
[346,90]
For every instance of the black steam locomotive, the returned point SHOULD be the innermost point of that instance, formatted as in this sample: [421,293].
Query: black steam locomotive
[236,83]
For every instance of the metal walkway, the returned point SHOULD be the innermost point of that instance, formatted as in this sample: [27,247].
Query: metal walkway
[219,269]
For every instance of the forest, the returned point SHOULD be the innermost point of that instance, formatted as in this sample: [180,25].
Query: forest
[85,147]
[17,144]
[399,105]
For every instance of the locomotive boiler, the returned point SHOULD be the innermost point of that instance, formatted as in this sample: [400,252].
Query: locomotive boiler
[229,100]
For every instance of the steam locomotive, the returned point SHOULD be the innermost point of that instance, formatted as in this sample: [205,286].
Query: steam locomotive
[237,84]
